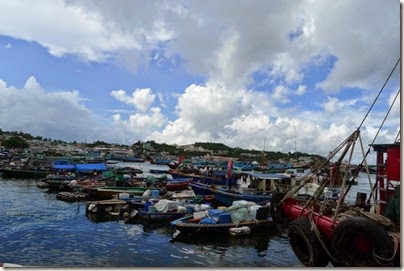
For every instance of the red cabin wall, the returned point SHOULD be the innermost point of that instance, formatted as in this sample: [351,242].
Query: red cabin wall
[393,163]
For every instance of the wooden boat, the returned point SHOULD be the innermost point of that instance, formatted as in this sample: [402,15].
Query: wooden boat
[159,216]
[160,210]
[110,192]
[72,196]
[177,184]
[235,220]
[186,226]
[23,173]
[103,207]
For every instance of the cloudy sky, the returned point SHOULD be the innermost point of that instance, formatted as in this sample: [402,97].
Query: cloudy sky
[279,75]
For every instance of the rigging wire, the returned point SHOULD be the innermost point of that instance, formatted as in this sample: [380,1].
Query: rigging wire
[385,83]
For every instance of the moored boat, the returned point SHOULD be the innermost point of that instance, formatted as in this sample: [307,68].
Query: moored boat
[258,187]
[175,185]
[359,234]
[363,234]
[241,218]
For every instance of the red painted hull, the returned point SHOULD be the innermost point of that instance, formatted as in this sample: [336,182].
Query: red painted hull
[291,209]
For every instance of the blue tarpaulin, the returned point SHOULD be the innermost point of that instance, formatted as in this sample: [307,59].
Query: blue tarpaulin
[64,167]
[91,167]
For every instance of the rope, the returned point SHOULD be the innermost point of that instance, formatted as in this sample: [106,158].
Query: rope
[318,234]
[377,257]
[379,219]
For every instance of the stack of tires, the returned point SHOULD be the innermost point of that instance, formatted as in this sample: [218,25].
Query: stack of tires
[356,242]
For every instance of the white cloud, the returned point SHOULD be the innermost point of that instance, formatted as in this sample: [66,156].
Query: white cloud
[52,114]
[224,42]
[281,94]
[142,99]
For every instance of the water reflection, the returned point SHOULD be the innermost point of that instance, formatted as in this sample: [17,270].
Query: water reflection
[220,243]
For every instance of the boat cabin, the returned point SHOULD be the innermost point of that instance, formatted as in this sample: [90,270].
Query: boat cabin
[264,183]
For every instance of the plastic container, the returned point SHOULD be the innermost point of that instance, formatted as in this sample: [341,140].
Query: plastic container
[224,218]
[181,209]
[262,213]
[123,195]
[253,210]
[199,215]
[147,205]
[155,193]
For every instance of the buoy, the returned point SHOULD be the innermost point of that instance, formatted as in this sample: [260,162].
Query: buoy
[92,208]
[240,231]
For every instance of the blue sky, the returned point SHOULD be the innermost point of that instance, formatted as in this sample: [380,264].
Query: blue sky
[179,72]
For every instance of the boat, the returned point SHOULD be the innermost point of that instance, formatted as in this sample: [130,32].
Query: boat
[258,187]
[162,211]
[72,196]
[348,235]
[62,173]
[365,233]
[70,177]
[242,218]
[110,192]
[177,184]
[24,173]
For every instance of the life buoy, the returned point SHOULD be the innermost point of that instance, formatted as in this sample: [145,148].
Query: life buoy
[305,243]
[359,241]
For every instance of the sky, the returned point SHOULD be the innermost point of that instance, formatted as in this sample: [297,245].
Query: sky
[266,75]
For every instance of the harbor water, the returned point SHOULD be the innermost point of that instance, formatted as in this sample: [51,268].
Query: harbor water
[40,231]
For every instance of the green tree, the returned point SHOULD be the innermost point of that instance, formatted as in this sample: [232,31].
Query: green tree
[15,142]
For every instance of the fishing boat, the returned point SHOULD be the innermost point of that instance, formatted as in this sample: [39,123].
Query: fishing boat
[24,173]
[162,210]
[359,234]
[110,192]
[258,188]
[242,218]
[177,184]
[71,177]
[365,233]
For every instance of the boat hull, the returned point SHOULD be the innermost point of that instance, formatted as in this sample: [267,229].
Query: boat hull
[225,197]
[194,228]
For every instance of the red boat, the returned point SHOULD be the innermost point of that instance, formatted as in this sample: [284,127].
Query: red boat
[177,185]
[349,235]
[361,234]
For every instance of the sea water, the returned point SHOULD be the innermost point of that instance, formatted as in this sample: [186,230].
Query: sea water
[39,230]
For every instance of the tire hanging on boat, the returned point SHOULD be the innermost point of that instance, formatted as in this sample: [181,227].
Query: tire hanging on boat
[305,243]
[359,241]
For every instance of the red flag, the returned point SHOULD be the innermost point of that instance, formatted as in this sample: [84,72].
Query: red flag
[229,168]
[181,159]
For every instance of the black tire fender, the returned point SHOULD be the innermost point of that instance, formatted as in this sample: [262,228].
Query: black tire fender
[356,240]
[305,243]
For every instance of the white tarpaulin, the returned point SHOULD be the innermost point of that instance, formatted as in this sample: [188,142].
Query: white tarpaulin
[166,205]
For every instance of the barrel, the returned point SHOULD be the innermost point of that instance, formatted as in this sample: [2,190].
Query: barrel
[360,199]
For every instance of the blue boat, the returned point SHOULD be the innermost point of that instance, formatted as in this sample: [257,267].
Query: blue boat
[239,219]
[254,186]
